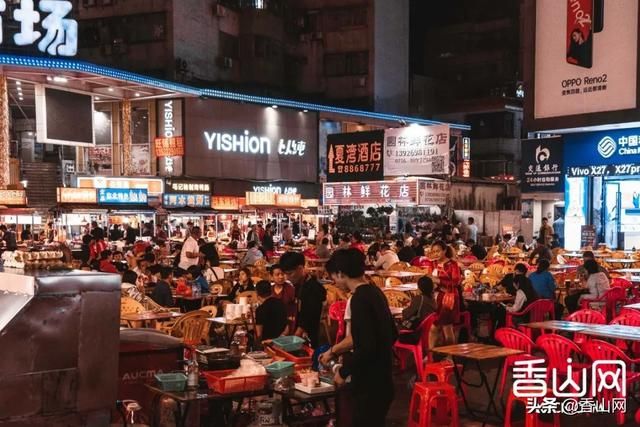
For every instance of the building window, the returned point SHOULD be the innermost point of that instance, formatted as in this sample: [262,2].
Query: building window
[266,48]
[346,64]
[229,46]
[341,19]
[143,28]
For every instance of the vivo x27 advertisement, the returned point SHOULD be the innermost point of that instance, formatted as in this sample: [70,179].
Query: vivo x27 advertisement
[585,56]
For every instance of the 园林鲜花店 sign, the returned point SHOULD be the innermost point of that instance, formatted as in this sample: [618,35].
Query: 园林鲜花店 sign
[542,169]
[355,156]
[186,201]
[416,150]
[371,193]
[45,24]
[122,196]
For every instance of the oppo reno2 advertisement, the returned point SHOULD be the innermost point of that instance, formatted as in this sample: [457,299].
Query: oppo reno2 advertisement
[586,54]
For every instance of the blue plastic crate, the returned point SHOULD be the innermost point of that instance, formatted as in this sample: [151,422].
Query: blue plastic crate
[289,343]
[280,369]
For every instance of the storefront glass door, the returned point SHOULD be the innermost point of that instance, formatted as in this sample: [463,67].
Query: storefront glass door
[612,214]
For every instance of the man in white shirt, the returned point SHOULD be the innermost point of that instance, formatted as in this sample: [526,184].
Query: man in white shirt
[387,257]
[473,230]
[190,253]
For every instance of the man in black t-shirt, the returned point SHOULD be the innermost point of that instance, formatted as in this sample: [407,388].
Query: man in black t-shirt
[162,290]
[373,332]
[271,314]
[310,295]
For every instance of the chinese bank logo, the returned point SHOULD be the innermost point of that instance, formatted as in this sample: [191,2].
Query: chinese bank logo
[607,147]
[542,154]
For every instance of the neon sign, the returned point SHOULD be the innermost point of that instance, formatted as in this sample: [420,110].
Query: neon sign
[252,144]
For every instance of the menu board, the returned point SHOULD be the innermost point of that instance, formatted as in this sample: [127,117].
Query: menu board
[355,156]
[588,236]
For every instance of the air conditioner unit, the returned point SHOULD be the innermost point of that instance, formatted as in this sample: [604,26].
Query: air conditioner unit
[220,10]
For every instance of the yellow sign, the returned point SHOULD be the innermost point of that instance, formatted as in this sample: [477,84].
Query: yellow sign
[13,197]
[154,186]
[261,199]
[77,195]
[222,203]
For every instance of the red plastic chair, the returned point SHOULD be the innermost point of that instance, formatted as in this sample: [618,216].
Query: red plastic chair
[621,282]
[558,349]
[336,312]
[530,419]
[538,311]
[420,349]
[512,338]
[628,317]
[585,316]
[609,301]
[597,351]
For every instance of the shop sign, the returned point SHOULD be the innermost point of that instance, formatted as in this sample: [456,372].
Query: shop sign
[542,164]
[122,196]
[13,197]
[587,236]
[288,200]
[433,193]
[186,200]
[309,203]
[466,148]
[77,195]
[607,153]
[182,186]
[278,189]
[226,203]
[170,142]
[169,147]
[355,156]
[57,34]
[585,58]
[247,143]
[261,199]
[466,169]
[154,186]
[416,150]
[371,193]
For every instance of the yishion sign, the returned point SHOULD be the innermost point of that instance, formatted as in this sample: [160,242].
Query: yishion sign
[170,137]
[250,142]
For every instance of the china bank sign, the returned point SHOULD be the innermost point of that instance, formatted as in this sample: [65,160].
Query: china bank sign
[247,143]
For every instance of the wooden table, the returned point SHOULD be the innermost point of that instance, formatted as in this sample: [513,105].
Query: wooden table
[397,274]
[492,299]
[229,262]
[563,267]
[478,353]
[405,287]
[148,317]
[184,400]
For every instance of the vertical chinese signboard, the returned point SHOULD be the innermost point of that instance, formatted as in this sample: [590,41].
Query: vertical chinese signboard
[417,150]
[355,156]
[169,144]
[542,166]
[433,193]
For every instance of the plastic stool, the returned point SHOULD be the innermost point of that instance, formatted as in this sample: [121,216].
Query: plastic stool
[530,420]
[426,397]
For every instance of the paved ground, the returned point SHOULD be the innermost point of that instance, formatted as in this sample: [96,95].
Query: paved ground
[399,411]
